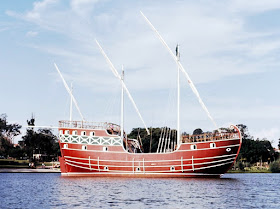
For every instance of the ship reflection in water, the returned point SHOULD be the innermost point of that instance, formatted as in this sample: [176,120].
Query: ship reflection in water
[53,191]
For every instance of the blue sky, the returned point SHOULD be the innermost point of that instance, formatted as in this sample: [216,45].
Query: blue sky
[229,48]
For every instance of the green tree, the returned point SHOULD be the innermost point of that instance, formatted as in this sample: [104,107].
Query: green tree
[240,166]
[253,151]
[7,134]
[274,167]
[197,131]
[147,141]
[42,141]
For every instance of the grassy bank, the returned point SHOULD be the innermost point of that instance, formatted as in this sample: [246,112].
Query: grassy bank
[10,163]
[253,169]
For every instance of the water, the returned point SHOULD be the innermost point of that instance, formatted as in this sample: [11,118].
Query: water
[50,190]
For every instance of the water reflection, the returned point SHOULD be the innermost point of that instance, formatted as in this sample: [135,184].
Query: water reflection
[54,191]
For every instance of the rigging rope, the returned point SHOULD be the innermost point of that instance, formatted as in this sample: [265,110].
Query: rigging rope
[182,70]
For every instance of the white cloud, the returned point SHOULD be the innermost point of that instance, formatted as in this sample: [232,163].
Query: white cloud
[83,7]
[214,40]
[31,33]
[256,6]
[38,8]
[271,134]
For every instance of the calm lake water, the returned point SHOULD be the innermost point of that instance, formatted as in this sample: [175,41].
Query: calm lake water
[50,190]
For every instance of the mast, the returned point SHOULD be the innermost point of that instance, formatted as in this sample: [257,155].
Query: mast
[178,95]
[71,103]
[183,71]
[115,72]
[122,105]
[69,92]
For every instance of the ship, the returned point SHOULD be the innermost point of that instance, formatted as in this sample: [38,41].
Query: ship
[104,150]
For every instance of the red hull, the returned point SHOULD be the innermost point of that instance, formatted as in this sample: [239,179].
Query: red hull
[103,155]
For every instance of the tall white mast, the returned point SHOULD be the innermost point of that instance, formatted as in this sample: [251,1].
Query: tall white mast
[115,72]
[178,96]
[69,92]
[71,103]
[122,105]
[182,70]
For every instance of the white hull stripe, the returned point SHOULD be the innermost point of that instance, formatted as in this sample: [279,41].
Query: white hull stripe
[175,174]
[167,171]
[222,147]
[153,161]
[155,166]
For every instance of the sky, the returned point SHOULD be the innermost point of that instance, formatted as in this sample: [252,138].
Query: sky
[230,49]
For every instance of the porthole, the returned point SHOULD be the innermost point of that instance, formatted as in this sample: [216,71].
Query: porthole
[83,133]
[91,133]
[66,132]
[105,149]
[84,147]
[60,132]
[106,168]
[193,147]
[172,168]
[212,145]
[74,132]
[228,149]
[65,146]
[138,169]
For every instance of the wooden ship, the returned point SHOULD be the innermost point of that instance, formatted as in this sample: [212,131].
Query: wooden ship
[104,150]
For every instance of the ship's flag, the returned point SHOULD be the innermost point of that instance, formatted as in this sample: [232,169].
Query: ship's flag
[177,51]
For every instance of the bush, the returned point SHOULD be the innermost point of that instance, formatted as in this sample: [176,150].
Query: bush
[240,166]
[275,167]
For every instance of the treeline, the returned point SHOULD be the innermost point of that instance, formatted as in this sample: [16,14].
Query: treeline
[45,144]
[150,142]
[41,142]
[252,150]
[257,150]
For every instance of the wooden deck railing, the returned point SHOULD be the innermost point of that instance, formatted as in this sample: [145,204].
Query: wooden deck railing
[208,137]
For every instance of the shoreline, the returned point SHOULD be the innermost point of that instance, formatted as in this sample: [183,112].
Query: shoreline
[42,170]
[28,170]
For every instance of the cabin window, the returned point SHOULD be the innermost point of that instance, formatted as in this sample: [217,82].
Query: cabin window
[74,132]
[67,132]
[65,146]
[105,149]
[212,145]
[172,168]
[60,132]
[91,133]
[193,147]
[84,147]
[106,168]
[83,133]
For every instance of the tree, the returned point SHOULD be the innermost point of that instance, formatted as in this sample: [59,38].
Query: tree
[8,131]
[7,134]
[197,131]
[253,151]
[275,167]
[146,139]
[41,142]
[240,166]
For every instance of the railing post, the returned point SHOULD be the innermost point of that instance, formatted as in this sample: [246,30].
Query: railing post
[89,162]
[143,166]
[192,164]
[133,165]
